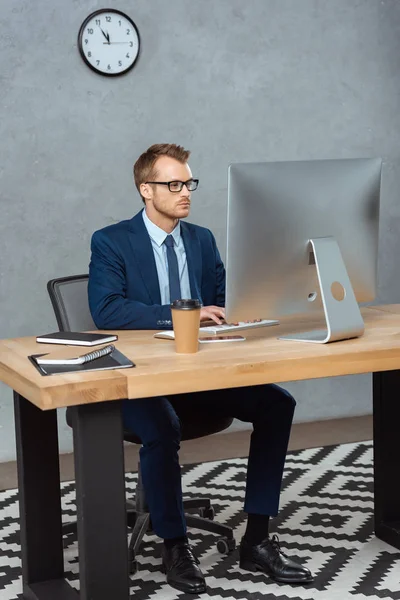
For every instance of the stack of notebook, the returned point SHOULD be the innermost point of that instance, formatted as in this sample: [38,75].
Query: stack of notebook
[67,360]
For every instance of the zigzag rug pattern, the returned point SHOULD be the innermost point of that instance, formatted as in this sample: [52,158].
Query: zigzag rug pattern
[325,521]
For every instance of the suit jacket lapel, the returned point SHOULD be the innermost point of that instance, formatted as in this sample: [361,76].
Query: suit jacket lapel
[193,257]
[144,255]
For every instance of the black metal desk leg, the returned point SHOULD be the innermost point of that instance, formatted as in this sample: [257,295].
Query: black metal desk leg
[100,497]
[386,395]
[40,503]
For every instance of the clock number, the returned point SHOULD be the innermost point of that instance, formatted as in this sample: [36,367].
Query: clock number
[119,63]
[128,32]
[109,67]
[108,19]
[90,31]
[130,44]
[89,54]
[86,41]
[98,22]
[127,56]
[120,23]
[97,62]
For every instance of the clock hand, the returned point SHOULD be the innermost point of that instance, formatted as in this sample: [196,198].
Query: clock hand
[106,36]
[116,42]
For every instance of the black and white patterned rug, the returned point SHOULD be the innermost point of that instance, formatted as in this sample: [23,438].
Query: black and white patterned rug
[325,521]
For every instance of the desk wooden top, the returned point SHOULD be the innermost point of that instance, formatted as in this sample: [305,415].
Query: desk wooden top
[262,358]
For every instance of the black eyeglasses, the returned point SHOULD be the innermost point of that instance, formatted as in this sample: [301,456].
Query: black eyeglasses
[177,186]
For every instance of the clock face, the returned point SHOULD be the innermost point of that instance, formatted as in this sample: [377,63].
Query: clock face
[109,42]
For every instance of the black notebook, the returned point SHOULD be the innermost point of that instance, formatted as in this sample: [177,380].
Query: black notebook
[99,360]
[76,338]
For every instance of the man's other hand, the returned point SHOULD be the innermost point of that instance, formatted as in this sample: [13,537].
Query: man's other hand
[215,313]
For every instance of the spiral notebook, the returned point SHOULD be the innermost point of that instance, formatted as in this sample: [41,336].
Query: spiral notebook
[66,361]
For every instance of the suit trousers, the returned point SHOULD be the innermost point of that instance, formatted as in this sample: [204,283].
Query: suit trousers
[157,422]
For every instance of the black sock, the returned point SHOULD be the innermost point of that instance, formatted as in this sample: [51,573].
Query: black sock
[257,528]
[172,541]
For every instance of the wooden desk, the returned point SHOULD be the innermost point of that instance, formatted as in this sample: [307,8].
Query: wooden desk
[160,371]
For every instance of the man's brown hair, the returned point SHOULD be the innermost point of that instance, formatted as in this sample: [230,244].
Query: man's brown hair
[143,169]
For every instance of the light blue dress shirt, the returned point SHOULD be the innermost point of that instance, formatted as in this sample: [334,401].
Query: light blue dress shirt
[157,237]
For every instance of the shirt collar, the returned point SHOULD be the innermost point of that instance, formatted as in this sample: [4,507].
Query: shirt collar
[157,234]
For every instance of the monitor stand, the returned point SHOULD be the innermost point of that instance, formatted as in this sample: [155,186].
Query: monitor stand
[342,313]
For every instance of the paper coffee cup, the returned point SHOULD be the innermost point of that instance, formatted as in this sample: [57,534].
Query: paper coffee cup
[186,323]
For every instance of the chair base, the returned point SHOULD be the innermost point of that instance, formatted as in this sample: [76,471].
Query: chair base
[140,523]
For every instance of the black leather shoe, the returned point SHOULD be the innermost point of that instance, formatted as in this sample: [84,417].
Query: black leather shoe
[268,557]
[182,569]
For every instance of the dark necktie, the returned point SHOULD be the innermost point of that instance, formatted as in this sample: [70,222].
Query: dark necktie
[173,270]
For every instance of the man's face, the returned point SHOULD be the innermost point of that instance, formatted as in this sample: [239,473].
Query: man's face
[174,205]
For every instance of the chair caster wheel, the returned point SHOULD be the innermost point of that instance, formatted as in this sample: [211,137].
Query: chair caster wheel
[133,567]
[207,513]
[225,545]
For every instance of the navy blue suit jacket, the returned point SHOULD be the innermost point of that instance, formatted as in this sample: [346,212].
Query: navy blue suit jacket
[123,288]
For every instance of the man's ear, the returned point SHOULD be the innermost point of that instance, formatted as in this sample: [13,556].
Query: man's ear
[145,191]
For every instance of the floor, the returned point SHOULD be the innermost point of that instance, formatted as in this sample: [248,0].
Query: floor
[229,445]
[325,522]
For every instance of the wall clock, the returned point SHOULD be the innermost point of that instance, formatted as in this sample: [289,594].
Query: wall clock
[109,42]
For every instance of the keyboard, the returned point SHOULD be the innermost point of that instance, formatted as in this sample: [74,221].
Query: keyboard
[228,327]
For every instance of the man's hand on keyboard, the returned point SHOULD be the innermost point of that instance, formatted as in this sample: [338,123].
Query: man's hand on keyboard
[215,313]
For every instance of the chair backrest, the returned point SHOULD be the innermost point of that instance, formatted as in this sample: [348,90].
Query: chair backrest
[69,298]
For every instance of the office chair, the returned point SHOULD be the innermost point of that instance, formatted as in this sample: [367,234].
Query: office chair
[69,298]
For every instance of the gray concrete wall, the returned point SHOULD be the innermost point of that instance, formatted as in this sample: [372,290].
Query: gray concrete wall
[233,81]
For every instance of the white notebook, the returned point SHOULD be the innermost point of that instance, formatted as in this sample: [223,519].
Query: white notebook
[68,357]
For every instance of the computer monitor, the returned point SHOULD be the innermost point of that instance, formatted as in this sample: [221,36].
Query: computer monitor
[302,236]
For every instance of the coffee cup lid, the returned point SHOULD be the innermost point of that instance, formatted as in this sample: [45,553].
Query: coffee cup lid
[186,304]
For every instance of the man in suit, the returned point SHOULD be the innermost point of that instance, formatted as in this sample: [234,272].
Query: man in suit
[137,268]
